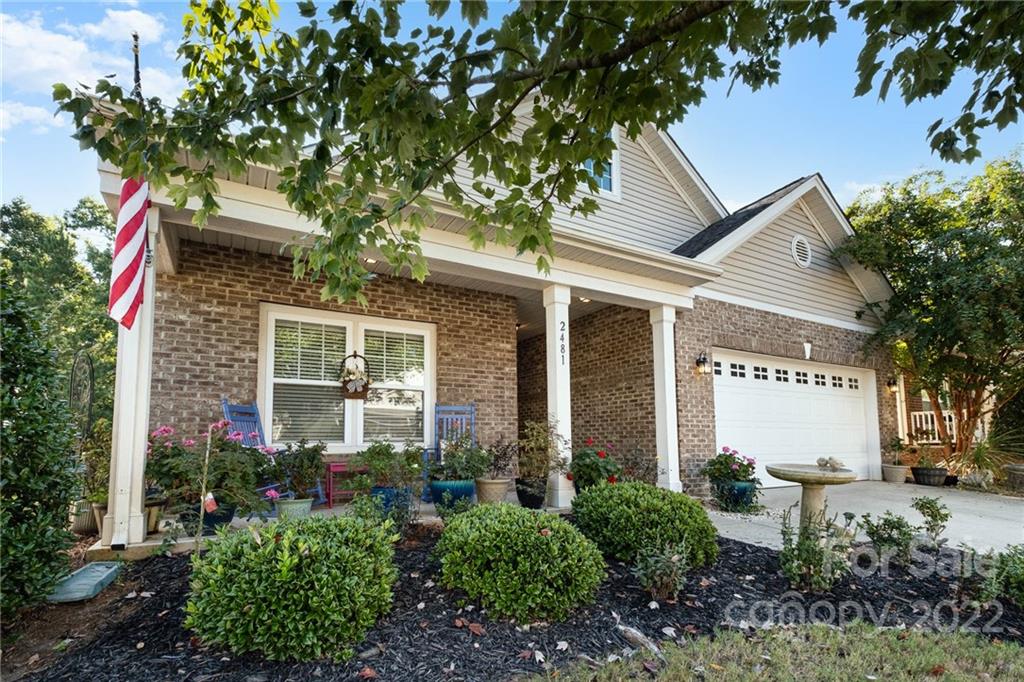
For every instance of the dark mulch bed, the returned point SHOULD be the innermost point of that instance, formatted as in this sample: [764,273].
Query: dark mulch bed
[420,640]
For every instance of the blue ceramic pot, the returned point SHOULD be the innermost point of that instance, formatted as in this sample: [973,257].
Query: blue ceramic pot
[458,490]
[389,497]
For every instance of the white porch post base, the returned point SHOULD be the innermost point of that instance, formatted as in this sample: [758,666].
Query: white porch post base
[125,522]
[666,412]
[556,311]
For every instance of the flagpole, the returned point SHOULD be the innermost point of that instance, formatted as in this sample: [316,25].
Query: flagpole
[125,523]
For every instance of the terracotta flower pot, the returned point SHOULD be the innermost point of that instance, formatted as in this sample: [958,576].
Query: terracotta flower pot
[491,490]
[895,473]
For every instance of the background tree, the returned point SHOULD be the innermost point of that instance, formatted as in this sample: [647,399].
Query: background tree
[39,478]
[67,295]
[369,121]
[954,254]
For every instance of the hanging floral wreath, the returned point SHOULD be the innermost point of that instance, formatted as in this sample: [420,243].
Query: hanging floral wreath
[355,380]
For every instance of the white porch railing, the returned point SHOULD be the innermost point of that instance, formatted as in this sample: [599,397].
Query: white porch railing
[924,421]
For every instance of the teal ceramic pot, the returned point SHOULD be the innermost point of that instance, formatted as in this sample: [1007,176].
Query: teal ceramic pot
[736,494]
[389,497]
[458,490]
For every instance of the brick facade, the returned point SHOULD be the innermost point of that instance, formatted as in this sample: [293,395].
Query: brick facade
[724,325]
[612,371]
[207,327]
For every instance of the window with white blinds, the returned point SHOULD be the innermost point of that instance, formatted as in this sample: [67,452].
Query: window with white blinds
[300,364]
[306,401]
[394,408]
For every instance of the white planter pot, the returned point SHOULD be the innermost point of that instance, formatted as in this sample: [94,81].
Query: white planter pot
[895,473]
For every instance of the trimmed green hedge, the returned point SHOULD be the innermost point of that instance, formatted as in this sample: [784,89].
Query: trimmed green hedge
[38,461]
[519,563]
[301,589]
[626,519]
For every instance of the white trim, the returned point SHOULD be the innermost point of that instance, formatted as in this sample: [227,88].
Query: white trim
[739,236]
[694,175]
[355,326]
[701,292]
[672,181]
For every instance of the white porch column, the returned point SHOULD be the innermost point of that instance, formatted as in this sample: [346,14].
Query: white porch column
[125,522]
[666,412]
[556,311]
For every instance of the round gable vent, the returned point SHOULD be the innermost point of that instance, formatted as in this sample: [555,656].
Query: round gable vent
[801,249]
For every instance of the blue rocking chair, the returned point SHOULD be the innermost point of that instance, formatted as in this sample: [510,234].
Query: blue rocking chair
[450,421]
[246,419]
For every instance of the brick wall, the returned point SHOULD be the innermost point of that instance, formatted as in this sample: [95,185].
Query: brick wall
[611,365]
[207,327]
[724,325]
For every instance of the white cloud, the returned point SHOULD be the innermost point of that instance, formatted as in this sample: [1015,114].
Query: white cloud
[852,189]
[40,120]
[36,57]
[117,25]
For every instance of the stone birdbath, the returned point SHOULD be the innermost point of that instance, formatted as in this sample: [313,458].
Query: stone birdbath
[812,479]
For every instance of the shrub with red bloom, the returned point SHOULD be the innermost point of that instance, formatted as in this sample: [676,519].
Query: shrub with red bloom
[612,479]
[591,466]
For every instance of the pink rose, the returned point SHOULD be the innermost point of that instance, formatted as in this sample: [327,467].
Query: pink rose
[254,434]
[273,495]
[188,442]
[235,436]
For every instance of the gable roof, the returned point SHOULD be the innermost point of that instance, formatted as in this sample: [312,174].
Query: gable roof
[723,237]
[690,181]
[720,229]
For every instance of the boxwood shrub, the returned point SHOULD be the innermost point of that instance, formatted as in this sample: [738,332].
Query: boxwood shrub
[627,519]
[300,589]
[519,563]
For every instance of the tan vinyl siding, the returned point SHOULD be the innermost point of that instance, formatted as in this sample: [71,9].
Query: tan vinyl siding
[763,269]
[648,212]
[664,153]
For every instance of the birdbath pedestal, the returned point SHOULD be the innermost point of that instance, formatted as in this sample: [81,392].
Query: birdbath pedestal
[812,480]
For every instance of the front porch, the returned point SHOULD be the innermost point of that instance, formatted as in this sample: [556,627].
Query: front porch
[588,346]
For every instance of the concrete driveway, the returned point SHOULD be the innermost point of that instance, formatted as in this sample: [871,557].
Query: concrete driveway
[980,520]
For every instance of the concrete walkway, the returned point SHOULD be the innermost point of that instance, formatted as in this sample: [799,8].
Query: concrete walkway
[980,520]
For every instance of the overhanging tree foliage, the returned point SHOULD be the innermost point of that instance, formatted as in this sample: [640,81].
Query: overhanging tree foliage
[954,254]
[368,121]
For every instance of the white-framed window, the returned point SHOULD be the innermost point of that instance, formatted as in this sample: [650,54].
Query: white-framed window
[760,373]
[300,357]
[819,379]
[609,179]
[782,375]
[737,369]
[800,377]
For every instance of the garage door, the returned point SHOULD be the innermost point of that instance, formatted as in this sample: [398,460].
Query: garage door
[778,410]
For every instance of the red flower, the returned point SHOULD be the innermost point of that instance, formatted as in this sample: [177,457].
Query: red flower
[590,441]
[569,476]
[602,454]
[612,479]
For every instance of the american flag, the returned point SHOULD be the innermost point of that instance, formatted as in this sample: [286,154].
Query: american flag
[129,269]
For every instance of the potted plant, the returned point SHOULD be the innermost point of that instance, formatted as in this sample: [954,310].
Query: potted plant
[733,483]
[298,467]
[493,486]
[898,470]
[233,472]
[539,457]
[927,472]
[390,473]
[592,465]
[452,479]
[87,513]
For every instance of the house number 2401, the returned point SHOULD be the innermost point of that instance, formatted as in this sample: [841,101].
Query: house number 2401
[561,341]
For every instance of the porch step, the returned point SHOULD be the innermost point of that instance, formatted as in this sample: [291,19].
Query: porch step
[86,582]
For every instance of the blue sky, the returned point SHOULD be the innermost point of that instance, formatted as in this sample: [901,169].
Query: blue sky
[744,145]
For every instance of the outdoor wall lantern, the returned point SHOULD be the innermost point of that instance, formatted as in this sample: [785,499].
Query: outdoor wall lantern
[703,366]
[892,385]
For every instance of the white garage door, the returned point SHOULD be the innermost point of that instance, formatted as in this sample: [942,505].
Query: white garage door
[778,410]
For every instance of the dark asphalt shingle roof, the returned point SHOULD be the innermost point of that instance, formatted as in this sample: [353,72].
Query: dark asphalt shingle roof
[718,230]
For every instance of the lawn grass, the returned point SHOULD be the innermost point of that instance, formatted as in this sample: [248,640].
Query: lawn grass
[861,652]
